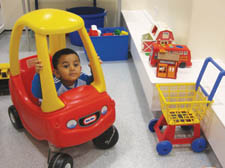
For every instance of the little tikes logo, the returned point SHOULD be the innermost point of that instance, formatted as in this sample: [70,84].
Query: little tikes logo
[90,119]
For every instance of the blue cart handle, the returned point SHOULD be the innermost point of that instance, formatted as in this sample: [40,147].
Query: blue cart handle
[217,82]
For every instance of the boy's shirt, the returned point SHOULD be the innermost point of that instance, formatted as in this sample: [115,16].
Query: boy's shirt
[84,79]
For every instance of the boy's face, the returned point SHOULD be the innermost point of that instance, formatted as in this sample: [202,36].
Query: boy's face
[68,69]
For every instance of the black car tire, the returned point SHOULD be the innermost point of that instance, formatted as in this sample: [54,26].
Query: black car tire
[14,117]
[108,139]
[61,160]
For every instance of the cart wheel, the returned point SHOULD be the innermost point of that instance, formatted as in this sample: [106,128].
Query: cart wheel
[108,139]
[14,117]
[186,127]
[164,147]
[198,145]
[61,160]
[152,124]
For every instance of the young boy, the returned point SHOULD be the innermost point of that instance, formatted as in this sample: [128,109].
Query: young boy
[66,70]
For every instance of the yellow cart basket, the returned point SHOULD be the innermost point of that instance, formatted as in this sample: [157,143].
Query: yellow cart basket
[181,104]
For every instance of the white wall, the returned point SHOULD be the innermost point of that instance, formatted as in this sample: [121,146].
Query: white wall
[207,29]
[13,9]
[1,19]
[200,24]
[109,5]
[175,13]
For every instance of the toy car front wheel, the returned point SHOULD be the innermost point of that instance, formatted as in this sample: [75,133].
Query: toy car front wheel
[164,147]
[14,117]
[198,145]
[108,139]
[61,160]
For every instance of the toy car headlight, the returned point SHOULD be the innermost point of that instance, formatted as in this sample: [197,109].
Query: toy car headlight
[71,124]
[104,110]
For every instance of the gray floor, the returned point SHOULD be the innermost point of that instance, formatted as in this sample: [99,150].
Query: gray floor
[136,147]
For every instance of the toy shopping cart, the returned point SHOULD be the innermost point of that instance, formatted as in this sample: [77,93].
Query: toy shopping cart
[183,104]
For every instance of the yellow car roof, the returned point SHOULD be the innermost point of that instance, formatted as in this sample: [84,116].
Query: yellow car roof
[51,21]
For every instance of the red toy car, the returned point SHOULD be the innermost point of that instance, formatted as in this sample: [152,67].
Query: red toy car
[75,117]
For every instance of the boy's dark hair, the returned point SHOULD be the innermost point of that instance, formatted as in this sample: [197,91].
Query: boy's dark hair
[58,54]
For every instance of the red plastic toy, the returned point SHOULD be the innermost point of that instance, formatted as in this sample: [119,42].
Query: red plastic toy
[167,69]
[77,116]
[170,50]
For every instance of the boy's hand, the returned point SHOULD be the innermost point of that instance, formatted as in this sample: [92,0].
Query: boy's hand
[99,61]
[38,65]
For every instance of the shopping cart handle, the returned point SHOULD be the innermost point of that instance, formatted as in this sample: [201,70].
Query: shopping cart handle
[217,82]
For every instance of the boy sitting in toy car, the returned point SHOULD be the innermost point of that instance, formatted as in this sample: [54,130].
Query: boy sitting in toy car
[67,72]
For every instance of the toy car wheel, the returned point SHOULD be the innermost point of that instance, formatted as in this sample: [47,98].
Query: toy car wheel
[186,127]
[152,124]
[182,65]
[164,147]
[108,139]
[198,145]
[14,117]
[61,160]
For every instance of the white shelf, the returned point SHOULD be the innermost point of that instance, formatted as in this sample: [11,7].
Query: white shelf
[213,125]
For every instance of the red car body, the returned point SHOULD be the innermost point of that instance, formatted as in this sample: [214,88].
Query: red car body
[82,104]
